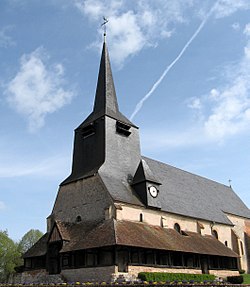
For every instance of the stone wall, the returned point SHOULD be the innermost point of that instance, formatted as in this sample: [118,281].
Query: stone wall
[95,274]
[134,270]
[36,276]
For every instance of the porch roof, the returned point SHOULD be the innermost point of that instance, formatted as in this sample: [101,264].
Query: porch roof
[137,234]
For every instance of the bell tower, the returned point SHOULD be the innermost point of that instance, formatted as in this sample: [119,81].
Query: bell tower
[106,141]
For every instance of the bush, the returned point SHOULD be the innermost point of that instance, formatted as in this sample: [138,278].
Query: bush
[174,277]
[235,279]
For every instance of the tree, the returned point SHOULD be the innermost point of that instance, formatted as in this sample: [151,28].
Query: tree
[29,239]
[10,257]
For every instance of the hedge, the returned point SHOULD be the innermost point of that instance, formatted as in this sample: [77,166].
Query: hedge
[235,279]
[171,277]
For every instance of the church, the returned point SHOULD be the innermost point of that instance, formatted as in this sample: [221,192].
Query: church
[120,213]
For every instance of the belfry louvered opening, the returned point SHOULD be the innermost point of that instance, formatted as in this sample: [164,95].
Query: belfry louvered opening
[122,128]
[88,131]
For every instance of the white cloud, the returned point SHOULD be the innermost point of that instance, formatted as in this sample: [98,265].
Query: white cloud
[5,39]
[37,88]
[228,107]
[226,8]
[134,26]
[2,205]
[247,30]
[131,28]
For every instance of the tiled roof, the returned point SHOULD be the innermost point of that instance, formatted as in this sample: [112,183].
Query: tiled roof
[136,234]
[39,248]
[128,233]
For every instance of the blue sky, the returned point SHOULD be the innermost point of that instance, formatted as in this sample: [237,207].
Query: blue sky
[181,70]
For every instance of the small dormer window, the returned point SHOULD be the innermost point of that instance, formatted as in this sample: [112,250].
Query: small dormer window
[123,129]
[88,130]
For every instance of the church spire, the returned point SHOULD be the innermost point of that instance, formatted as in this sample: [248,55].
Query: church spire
[105,98]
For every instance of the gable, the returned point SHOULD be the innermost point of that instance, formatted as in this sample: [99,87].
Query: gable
[55,234]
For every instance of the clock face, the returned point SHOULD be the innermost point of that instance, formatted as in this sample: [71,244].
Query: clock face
[153,191]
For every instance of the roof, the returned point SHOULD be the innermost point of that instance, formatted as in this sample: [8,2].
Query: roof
[136,234]
[195,196]
[183,193]
[105,97]
[39,248]
[144,173]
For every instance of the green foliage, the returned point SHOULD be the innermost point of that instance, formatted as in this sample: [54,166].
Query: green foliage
[235,279]
[10,257]
[246,278]
[29,239]
[171,277]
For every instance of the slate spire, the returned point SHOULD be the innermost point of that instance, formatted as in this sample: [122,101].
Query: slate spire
[105,98]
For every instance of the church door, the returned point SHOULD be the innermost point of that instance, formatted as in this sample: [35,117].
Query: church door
[54,258]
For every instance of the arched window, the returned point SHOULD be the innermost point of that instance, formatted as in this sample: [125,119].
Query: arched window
[141,217]
[177,227]
[215,234]
[226,243]
[78,218]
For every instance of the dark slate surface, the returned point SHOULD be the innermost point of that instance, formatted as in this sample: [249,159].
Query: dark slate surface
[105,97]
[144,173]
[119,188]
[195,196]
[89,152]
[183,193]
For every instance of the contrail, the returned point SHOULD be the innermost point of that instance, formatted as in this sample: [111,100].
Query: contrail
[157,83]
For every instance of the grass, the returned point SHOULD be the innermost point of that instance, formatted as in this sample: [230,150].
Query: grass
[246,278]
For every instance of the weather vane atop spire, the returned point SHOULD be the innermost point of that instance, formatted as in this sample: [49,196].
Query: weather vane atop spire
[104,25]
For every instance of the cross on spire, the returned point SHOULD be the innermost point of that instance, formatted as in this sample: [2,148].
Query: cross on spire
[104,25]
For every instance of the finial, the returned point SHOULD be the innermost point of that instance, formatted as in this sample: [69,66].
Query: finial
[230,182]
[104,26]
